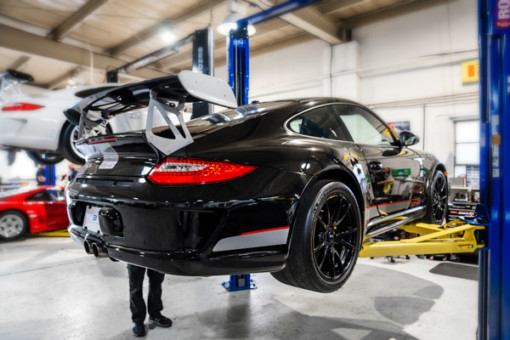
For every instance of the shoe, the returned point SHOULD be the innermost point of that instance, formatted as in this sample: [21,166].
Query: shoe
[139,329]
[161,321]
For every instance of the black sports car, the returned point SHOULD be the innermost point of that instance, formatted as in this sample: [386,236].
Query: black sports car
[291,187]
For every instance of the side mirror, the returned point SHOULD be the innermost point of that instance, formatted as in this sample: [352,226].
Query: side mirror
[407,138]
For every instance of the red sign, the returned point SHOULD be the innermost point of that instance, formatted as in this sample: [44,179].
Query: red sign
[502,13]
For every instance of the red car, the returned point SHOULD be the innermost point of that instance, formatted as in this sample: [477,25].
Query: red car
[32,210]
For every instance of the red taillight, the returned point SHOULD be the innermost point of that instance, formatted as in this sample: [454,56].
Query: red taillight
[21,107]
[174,171]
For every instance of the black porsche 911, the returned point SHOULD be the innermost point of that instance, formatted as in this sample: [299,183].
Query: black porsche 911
[290,187]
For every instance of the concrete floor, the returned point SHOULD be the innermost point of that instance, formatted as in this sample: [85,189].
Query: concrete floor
[49,289]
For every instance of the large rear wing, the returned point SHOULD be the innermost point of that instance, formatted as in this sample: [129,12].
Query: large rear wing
[166,95]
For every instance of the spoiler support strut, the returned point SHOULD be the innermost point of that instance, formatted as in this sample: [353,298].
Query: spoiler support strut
[162,144]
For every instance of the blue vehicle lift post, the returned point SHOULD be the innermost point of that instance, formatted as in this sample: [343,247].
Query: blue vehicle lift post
[238,56]
[50,174]
[494,260]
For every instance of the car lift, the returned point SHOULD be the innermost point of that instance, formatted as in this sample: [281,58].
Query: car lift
[461,235]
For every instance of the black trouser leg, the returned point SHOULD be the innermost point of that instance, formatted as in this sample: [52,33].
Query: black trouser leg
[136,302]
[155,305]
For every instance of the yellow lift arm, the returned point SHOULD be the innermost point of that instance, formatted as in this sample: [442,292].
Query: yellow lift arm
[454,237]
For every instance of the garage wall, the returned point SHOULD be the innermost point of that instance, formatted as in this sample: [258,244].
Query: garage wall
[407,68]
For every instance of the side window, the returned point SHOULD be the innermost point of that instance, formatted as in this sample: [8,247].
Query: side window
[364,127]
[56,195]
[320,122]
[40,196]
[50,195]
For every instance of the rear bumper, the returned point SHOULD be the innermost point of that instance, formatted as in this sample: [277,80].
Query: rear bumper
[189,261]
[200,233]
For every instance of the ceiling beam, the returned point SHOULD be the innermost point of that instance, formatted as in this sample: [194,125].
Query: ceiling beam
[62,78]
[310,20]
[75,19]
[392,11]
[185,55]
[188,15]
[333,7]
[317,24]
[19,63]
[28,43]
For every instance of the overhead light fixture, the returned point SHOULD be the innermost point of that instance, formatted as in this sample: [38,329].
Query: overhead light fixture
[237,11]
[167,36]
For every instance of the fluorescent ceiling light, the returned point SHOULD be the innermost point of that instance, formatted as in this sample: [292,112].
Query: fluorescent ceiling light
[167,36]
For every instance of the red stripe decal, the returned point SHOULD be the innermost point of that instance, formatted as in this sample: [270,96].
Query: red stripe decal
[380,205]
[264,230]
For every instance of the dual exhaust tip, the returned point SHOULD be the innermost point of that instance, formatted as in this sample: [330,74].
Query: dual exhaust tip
[94,248]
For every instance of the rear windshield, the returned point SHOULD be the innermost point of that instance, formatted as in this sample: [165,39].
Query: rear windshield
[233,115]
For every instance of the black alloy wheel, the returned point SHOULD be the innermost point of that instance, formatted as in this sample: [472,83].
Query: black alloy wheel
[326,239]
[335,237]
[437,205]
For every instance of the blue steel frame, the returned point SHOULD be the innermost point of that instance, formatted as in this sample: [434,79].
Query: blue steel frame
[50,175]
[494,39]
[238,65]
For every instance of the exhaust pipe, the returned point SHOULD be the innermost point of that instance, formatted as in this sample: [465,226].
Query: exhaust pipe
[98,251]
[87,247]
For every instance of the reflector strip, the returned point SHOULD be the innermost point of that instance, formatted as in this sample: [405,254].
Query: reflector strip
[263,230]
[268,237]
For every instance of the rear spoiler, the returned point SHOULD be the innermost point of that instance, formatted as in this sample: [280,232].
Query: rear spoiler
[12,78]
[167,94]
[13,75]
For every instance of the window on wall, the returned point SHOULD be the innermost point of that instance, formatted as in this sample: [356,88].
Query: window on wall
[467,152]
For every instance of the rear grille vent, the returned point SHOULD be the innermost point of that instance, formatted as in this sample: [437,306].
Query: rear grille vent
[105,182]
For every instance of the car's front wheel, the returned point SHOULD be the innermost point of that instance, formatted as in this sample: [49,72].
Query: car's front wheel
[437,199]
[13,225]
[326,239]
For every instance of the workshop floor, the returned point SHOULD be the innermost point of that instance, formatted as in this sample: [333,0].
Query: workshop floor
[50,289]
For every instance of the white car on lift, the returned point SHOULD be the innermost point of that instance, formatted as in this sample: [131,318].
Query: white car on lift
[37,124]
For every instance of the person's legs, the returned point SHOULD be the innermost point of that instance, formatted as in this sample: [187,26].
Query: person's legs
[136,302]
[154,303]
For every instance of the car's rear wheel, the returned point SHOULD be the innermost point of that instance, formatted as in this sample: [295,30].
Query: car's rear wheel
[437,199]
[47,158]
[326,239]
[13,225]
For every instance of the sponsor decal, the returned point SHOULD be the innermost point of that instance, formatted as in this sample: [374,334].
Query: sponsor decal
[502,13]
[401,172]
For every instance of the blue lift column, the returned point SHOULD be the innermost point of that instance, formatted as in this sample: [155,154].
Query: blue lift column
[50,174]
[238,78]
[494,39]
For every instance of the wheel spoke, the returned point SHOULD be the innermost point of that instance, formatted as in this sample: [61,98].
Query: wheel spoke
[346,244]
[319,247]
[346,212]
[324,257]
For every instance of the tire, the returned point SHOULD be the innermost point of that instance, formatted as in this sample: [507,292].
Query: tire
[49,158]
[326,239]
[437,199]
[13,225]
[69,139]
